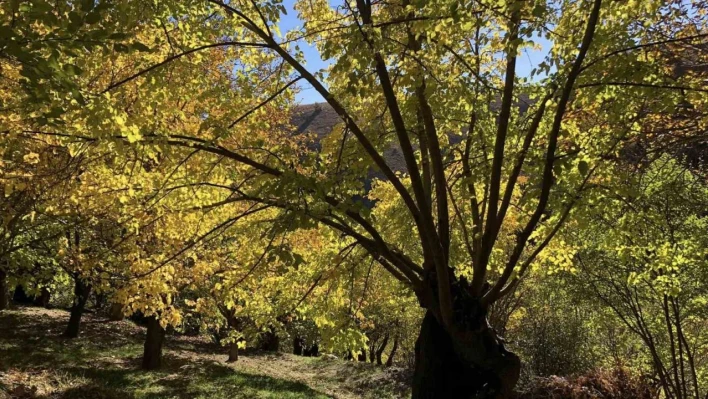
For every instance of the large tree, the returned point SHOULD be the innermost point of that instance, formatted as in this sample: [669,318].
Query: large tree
[478,166]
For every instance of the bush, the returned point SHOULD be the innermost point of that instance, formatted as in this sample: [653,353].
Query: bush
[598,384]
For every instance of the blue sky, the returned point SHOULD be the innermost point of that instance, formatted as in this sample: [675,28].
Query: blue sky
[308,95]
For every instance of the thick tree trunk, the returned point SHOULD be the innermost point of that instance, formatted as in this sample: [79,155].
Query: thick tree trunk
[152,350]
[4,301]
[477,367]
[233,352]
[389,361]
[81,294]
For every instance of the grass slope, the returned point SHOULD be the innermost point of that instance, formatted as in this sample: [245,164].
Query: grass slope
[104,362]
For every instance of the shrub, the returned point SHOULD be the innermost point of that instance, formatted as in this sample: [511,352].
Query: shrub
[618,383]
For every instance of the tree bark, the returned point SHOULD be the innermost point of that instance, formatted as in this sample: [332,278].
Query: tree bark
[43,298]
[313,350]
[381,349]
[389,361]
[476,366]
[4,302]
[372,351]
[270,341]
[152,350]
[233,352]
[101,301]
[81,294]
[362,355]
[298,346]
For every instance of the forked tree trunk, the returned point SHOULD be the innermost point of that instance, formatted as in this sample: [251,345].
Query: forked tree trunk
[389,361]
[4,301]
[362,355]
[380,351]
[233,352]
[446,368]
[152,350]
[81,294]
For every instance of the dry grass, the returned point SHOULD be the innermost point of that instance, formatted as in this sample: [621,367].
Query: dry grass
[599,384]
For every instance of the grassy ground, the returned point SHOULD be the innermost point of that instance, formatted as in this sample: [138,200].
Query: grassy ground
[104,362]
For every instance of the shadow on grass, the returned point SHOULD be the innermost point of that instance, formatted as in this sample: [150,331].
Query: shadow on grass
[103,364]
[190,380]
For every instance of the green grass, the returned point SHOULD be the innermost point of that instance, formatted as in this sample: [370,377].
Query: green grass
[200,381]
[105,364]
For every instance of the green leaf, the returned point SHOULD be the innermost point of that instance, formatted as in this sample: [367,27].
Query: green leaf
[538,10]
[75,21]
[72,70]
[93,18]
[121,48]
[118,36]
[583,168]
[140,47]
[87,5]
[6,32]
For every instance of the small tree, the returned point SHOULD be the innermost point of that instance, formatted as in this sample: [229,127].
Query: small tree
[646,262]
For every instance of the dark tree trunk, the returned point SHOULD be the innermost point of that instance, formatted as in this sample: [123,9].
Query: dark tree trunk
[233,352]
[20,296]
[4,302]
[270,341]
[389,361]
[152,350]
[362,355]
[43,298]
[478,367]
[381,349]
[81,294]
[298,345]
[101,301]
[372,351]
[116,312]
[314,350]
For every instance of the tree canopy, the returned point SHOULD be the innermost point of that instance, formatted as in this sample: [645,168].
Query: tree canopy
[154,144]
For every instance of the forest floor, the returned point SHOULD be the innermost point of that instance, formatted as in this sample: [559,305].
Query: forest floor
[104,362]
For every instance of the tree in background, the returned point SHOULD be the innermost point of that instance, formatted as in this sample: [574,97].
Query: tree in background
[646,262]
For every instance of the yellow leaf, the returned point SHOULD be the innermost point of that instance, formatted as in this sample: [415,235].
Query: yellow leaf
[31,158]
